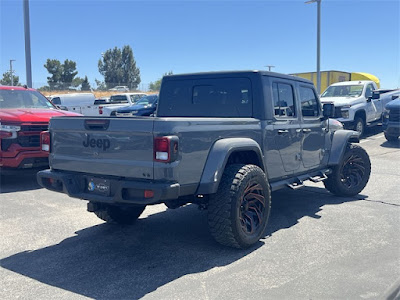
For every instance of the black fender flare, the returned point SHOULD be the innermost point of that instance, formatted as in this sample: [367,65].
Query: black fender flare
[340,139]
[218,158]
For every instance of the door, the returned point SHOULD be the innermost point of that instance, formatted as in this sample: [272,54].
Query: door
[313,129]
[372,105]
[287,133]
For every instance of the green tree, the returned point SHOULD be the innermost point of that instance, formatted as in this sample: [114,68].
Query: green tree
[77,81]
[68,73]
[62,75]
[6,80]
[54,68]
[85,85]
[155,86]
[119,68]
[101,86]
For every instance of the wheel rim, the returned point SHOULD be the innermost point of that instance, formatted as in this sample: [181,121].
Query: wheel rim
[252,208]
[360,127]
[352,172]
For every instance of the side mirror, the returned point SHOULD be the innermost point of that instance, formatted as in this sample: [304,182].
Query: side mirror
[369,99]
[328,110]
[62,107]
[375,96]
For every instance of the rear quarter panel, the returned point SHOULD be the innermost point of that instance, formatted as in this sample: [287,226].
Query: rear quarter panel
[196,137]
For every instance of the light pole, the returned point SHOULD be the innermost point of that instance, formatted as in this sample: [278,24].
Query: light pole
[318,42]
[27,44]
[270,67]
[11,72]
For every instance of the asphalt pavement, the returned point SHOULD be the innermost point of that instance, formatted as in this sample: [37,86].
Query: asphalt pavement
[317,246]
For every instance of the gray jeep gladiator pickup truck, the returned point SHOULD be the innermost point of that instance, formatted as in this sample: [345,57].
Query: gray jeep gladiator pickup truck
[221,140]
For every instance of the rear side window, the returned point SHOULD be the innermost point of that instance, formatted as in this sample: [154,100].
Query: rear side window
[284,105]
[217,97]
[309,104]
[118,99]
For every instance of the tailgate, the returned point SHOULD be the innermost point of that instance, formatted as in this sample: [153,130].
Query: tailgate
[107,146]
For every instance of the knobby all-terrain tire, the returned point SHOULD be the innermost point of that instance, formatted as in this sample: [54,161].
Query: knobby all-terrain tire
[351,175]
[119,214]
[238,213]
[391,138]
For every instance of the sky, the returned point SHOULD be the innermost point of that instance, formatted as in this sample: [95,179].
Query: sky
[195,36]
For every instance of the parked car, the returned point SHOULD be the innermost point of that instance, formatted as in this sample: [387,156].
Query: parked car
[221,140]
[144,107]
[121,100]
[24,114]
[391,120]
[120,88]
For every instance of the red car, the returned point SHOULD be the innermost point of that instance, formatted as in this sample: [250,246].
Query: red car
[24,114]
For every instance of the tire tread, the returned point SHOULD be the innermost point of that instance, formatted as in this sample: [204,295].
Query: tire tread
[220,205]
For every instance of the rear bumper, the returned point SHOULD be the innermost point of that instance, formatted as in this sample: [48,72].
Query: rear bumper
[121,190]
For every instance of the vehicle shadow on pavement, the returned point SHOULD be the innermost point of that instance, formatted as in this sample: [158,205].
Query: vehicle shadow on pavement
[128,262]
[371,131]
[289,206]
[19,181]
[114,262]
[394,145]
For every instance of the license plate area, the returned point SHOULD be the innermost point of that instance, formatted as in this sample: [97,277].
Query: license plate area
[98,186]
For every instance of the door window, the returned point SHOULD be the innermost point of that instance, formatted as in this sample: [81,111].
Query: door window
[309,103]
[284,105]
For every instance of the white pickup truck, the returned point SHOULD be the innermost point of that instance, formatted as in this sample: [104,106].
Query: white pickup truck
[87,105]
[357,103]
[120,100]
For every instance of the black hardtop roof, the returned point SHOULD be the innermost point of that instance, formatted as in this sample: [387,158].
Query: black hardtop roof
[235,73]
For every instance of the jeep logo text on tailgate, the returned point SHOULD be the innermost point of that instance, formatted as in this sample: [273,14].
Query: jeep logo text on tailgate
[99,143]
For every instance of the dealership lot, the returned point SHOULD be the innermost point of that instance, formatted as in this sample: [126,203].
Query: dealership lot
[317,246]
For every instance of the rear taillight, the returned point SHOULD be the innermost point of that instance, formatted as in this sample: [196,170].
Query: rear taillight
[166,149]
[100,110]
[45,141]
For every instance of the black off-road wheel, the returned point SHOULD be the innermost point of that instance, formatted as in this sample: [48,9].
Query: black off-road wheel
[352,174]
[124,215]
[238,213]
[391,137]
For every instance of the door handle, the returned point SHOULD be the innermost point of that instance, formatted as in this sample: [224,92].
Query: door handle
[306,130]
[282,131]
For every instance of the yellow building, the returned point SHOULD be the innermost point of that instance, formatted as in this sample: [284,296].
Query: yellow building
[329,77]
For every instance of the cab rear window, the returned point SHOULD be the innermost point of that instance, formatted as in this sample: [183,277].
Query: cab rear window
[218,97]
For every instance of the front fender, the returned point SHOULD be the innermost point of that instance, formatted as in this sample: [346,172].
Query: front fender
[218,158]
[340,140]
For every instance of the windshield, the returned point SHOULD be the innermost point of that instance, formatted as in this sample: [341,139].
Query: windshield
[147,100]
[23,99]
[135,98]
[343,91]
